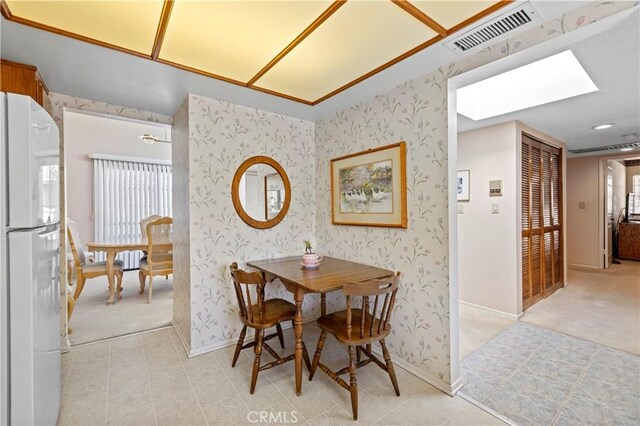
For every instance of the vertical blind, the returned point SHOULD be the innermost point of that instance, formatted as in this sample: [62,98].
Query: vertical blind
[635,183]
[124,193]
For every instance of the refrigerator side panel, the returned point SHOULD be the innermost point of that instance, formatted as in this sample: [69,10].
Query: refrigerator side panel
[35,311]
[33,164]
[4,304]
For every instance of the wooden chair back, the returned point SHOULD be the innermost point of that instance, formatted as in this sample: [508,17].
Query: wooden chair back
[74,242]
[143,226]
[375,316]
[252,294]
[160,241]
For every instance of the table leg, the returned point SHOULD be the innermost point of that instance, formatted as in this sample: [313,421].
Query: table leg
[323,304]
[297,325]
[111,257]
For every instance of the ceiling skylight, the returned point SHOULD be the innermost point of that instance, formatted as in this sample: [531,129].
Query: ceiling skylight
[548,80]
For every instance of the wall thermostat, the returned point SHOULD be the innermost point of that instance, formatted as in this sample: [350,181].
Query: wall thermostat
[495,188]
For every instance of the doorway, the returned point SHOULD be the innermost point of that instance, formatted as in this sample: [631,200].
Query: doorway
[114,180]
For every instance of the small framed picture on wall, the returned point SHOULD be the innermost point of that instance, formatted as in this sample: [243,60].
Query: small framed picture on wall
[462,185]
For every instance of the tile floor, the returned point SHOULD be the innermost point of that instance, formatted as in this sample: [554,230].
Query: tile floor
[533,375]
[147,379]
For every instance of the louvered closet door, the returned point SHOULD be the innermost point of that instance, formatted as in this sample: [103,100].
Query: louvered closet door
[542,266]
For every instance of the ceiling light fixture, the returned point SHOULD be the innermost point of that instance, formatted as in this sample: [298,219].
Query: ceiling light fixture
[548,80]
[150,139]
[603,126]
[630,136]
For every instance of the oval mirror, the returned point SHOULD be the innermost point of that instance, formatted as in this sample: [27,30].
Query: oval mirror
[261,192]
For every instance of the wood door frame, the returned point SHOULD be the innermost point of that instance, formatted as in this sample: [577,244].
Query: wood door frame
[602,202]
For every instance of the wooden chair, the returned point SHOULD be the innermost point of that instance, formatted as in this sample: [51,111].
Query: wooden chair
[85,269]
[358,329]
[260,315]
[159,259]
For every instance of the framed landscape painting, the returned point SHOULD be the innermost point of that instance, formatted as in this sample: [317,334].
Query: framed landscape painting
[369,188]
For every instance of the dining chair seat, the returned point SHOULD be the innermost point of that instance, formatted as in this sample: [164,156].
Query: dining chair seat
[92,267]
[164,261]
[336,324]
[274,312]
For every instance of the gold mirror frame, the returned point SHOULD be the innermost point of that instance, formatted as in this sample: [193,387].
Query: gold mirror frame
[235,197]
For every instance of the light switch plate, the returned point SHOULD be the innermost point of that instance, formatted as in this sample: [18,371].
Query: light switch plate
[495,208]
[460,208]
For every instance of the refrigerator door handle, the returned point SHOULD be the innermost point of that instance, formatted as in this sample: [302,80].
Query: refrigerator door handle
[46,128]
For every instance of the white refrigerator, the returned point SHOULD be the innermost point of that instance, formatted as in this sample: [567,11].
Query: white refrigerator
[29,263]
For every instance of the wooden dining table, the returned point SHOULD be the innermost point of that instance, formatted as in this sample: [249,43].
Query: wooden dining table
[331,275]
[112,249]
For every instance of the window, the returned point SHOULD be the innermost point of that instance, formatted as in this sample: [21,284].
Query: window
[126,192]
[635,186]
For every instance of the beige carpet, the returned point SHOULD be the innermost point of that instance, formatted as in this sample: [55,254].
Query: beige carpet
[94,320]
[602,306]
[478,326]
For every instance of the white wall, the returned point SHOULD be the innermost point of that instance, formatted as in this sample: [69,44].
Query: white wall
[582,185]
[487,261]
[85,134]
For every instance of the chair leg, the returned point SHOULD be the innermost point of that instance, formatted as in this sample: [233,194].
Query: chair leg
[390,369]
[353,383]
[239,346]
[256,361]
[316,356]
[79,285]
[280,335]
[150,288]
[358,353]
[142,278]
[119,287]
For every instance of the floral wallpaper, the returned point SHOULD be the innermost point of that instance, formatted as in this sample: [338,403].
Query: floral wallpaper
[416,112]
[221,137]
[55,104]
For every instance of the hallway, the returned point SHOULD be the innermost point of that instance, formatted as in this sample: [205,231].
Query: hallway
[601,306]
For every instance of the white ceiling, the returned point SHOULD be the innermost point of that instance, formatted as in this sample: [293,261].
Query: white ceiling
[612,60]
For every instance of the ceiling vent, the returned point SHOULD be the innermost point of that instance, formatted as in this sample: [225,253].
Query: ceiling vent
[627,146]
[495,29]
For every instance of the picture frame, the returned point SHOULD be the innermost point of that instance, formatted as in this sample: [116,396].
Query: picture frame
[463,185]
[369,188]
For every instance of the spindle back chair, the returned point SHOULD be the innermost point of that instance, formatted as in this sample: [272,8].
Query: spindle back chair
[358,328]
[257,313]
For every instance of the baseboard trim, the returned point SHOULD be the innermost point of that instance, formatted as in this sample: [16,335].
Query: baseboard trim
[493,311]
[229,342]
[410,368]
[580,266]
[423,375]
[185,346]
[135,333]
